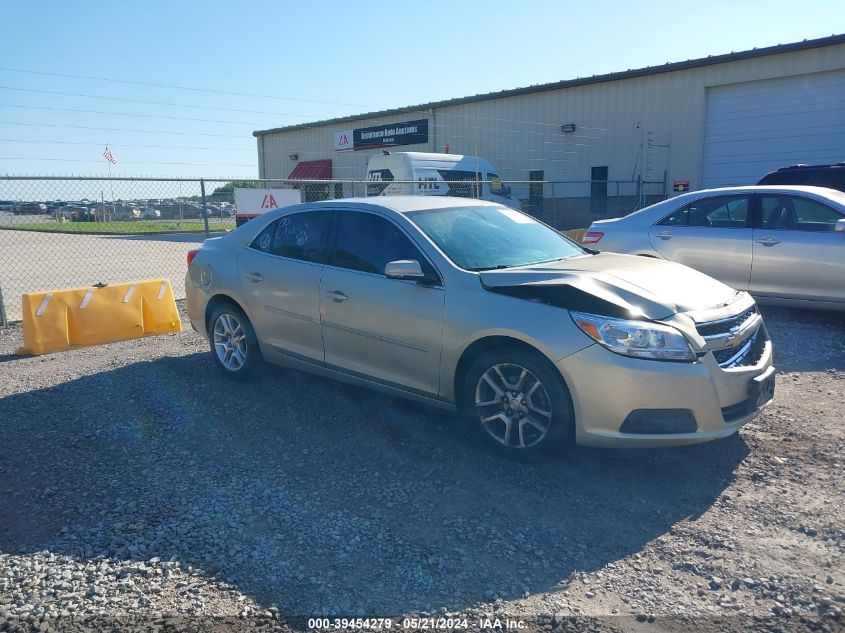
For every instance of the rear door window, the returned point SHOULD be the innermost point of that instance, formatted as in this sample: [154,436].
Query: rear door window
[301,236]
[794,213]
[716,212]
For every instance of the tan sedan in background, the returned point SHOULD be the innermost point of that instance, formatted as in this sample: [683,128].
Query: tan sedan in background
[473,306]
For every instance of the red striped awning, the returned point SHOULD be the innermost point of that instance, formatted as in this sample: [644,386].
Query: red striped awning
[312,170]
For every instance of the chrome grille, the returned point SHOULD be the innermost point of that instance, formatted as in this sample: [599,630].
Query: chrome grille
[723,326]
[735,341]
[738,355]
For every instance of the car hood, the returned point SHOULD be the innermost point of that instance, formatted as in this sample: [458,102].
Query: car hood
[614,285]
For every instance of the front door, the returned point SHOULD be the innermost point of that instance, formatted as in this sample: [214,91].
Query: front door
[280,274]
[797,254]
[387,330]
[712,235]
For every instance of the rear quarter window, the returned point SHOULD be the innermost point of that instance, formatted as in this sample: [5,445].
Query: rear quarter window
[264,241]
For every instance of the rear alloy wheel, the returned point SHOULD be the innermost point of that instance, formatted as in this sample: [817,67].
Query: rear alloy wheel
[233,342]
[517,402]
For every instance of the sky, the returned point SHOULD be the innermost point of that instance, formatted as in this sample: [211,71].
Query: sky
[177,88]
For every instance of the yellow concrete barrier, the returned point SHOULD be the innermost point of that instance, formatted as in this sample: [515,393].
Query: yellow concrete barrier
[60,319]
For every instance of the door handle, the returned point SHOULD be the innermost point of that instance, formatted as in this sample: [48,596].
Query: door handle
[337,296]
[254,277]
[768,241]
[665,235]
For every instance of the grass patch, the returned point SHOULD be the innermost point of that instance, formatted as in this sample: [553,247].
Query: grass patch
[120,227]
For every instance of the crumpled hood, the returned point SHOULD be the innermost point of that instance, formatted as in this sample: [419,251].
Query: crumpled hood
[627,284]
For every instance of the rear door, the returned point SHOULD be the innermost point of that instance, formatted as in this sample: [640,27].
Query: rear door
[712,235]
[387,330]
[280,274]
[797,254]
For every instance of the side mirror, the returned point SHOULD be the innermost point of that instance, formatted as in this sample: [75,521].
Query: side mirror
[403,269]
[839,227]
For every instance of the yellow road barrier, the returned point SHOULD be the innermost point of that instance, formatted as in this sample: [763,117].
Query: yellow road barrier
[575,234]
[60,319]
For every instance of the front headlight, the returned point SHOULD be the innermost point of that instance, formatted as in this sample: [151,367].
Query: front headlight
[640,339]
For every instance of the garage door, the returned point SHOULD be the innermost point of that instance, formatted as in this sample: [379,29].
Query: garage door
[755,127]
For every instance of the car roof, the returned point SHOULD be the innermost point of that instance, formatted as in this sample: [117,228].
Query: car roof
[646,214]
[819,191]
[405,204]
[800,166]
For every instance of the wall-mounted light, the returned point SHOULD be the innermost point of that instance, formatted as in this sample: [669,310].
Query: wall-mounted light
[567,128]
[293,156]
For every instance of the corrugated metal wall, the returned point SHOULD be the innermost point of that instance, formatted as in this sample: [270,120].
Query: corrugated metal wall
[624,124]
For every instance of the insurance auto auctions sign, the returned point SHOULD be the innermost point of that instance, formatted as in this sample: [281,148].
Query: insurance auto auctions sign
[387,135]
[253,202]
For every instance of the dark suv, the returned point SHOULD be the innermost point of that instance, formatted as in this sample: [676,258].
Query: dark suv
[832,176]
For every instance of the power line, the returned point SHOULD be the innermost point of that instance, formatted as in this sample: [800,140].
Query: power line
[221,149]
[175,87]
[128,162]
[117,129]
[146,102]
[128,114]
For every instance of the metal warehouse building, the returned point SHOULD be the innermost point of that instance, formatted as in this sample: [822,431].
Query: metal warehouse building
[604,145]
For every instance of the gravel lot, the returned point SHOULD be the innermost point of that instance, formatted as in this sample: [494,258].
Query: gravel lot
[136,481]
[32,261]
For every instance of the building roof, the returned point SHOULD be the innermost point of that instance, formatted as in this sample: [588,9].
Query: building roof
[581,81]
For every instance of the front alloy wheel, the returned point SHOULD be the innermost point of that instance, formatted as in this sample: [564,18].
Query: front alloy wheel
[518,403]
[513,406]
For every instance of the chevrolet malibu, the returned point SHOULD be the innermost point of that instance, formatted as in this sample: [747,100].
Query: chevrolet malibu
[476,307]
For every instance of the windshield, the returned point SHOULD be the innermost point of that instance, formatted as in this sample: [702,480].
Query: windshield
[483,238]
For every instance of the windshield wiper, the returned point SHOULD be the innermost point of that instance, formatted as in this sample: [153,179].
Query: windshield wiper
[496,267]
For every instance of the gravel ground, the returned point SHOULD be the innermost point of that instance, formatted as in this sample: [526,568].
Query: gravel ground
[138,487]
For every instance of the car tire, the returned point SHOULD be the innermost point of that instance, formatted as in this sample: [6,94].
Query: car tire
[520,415]
[233,343]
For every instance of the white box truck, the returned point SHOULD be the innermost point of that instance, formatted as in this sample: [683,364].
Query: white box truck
[429,174]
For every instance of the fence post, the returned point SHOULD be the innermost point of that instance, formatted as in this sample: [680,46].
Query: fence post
[617,198]
[3,321]
[204,206]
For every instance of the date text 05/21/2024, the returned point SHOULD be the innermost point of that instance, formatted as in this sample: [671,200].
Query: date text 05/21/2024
[415,624]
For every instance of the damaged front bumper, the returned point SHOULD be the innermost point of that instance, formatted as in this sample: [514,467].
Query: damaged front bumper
[621,401]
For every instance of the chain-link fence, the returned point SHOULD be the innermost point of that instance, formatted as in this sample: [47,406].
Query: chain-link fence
[75,232]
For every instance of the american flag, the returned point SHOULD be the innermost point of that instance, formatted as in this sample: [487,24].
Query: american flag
[109,156]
